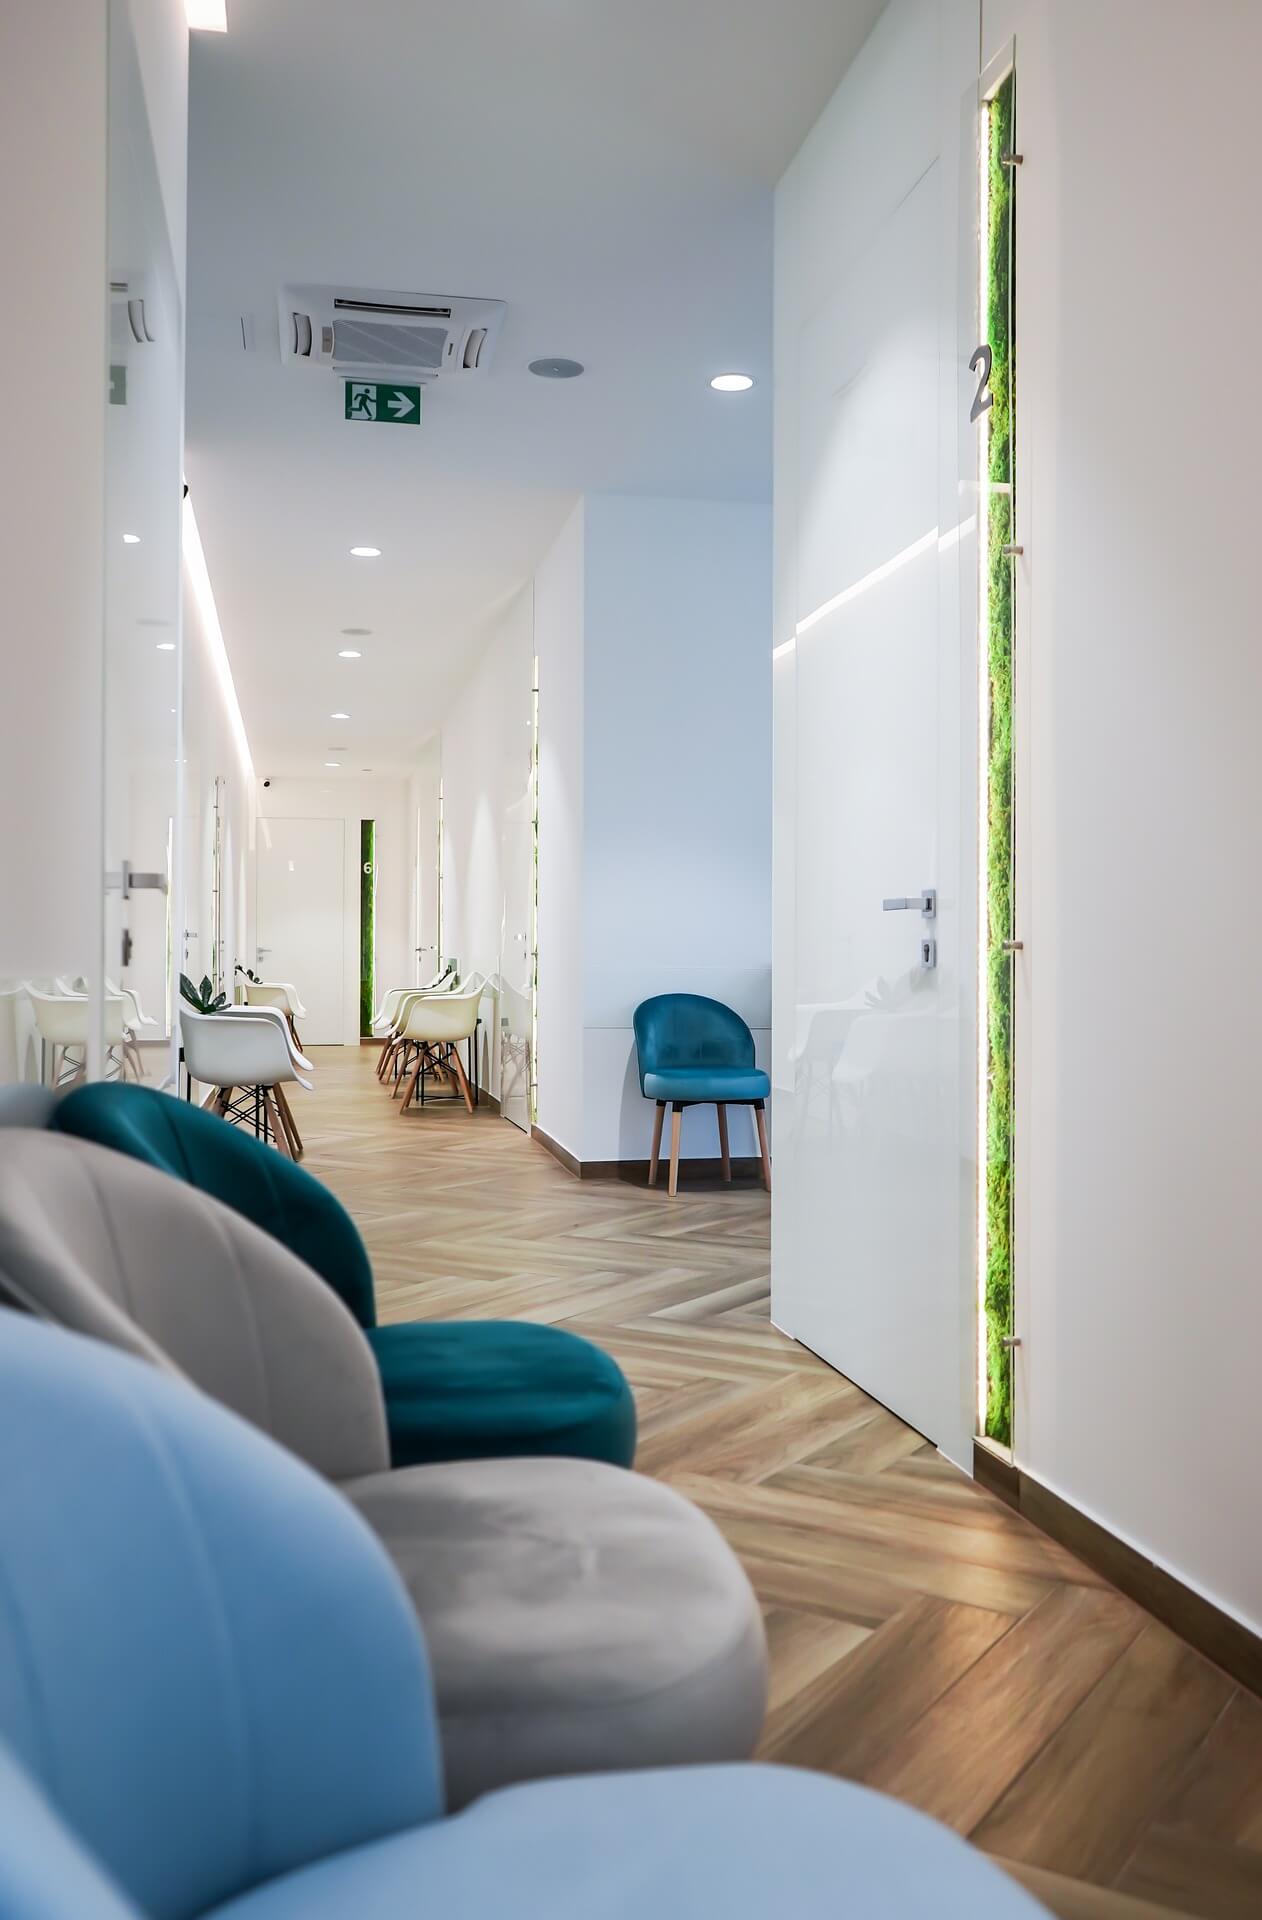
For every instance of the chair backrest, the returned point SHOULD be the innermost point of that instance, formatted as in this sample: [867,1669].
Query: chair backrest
[280,1021]
[687,1030]
[266,993]
[208,1663]
[384,1016]
[233,1053]
[98,1243]
[443,1016]
[230,1165]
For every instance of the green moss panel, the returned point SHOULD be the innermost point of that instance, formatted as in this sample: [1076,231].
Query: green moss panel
[367,922]
[1000,874]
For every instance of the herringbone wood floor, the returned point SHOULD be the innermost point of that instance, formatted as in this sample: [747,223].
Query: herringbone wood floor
[923,1638]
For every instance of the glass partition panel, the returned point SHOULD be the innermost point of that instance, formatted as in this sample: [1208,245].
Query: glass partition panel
[143,454]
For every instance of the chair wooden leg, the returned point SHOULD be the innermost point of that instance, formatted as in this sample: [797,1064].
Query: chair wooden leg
[655,1156]
[676,1122]
[409,1092]
[277,1124]
[384,1056]
[462,1078]
[724,1154]
[761,1122]
[286,1114]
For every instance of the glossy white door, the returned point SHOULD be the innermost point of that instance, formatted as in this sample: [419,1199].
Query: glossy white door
[517,958]
[301,919]
[873,1142]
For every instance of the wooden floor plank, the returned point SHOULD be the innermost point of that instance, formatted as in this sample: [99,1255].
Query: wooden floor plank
[1084,1804]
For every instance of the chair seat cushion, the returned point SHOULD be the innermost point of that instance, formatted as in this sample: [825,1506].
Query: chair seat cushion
[578,1618]
[488,1389]
[746,1843]
[254,1180]
[707,1083]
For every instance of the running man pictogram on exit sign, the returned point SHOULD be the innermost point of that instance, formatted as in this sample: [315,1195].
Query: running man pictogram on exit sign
[382,400]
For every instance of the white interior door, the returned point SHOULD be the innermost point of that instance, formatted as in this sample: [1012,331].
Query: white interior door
[516,997]
[302,919]
[871,1275]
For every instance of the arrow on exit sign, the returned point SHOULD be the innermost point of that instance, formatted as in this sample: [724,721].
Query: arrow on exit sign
[383,401]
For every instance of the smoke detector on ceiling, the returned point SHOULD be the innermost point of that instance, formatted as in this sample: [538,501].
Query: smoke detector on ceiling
[362,333]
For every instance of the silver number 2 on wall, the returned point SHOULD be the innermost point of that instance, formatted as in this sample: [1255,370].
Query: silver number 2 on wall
[984,399]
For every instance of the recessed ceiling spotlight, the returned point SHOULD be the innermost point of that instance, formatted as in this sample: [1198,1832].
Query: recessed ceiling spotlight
[332,763]
[339,716]
[349,653]
[166,646]
[131,539]
[557,369]
[366,553]
[357,633]
[732,382]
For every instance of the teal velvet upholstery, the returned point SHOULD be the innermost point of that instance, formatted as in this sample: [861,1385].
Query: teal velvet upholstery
[454,1390]
[254,1180]
[489,1389]
[691,1049]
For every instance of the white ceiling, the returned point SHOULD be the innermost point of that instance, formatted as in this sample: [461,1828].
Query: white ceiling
[603,166]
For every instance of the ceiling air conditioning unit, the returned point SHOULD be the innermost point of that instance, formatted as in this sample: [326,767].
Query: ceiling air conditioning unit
[362,334]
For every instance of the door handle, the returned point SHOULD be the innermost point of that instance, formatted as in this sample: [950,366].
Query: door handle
[925,902]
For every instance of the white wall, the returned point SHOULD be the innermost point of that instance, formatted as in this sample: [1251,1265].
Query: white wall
[487,739]
[677,790]
[211,752]
[1139,424]
[53,237]
[421,960]
[559,640]
[650,623]
[387,802]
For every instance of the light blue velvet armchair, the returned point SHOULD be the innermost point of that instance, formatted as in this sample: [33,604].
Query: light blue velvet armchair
[693,1051]
[215,1701]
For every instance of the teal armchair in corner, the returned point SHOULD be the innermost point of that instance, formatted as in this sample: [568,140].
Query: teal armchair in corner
[693,1051]
[454,1390]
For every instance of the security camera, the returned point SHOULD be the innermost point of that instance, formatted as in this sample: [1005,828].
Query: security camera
[267,783]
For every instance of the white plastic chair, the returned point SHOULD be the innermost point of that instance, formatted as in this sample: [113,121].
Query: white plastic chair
[280,1020]
[134,1018]
[63,1021]
[250,1057]
[436,1025]
[277,993]
[394,1052]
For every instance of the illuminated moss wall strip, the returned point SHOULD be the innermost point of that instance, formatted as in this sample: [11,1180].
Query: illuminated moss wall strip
[367,921]
[1000,849]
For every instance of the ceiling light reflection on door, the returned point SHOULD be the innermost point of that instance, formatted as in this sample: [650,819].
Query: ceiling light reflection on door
[207,16]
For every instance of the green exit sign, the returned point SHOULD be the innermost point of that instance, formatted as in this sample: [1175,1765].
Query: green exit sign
[382,400]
